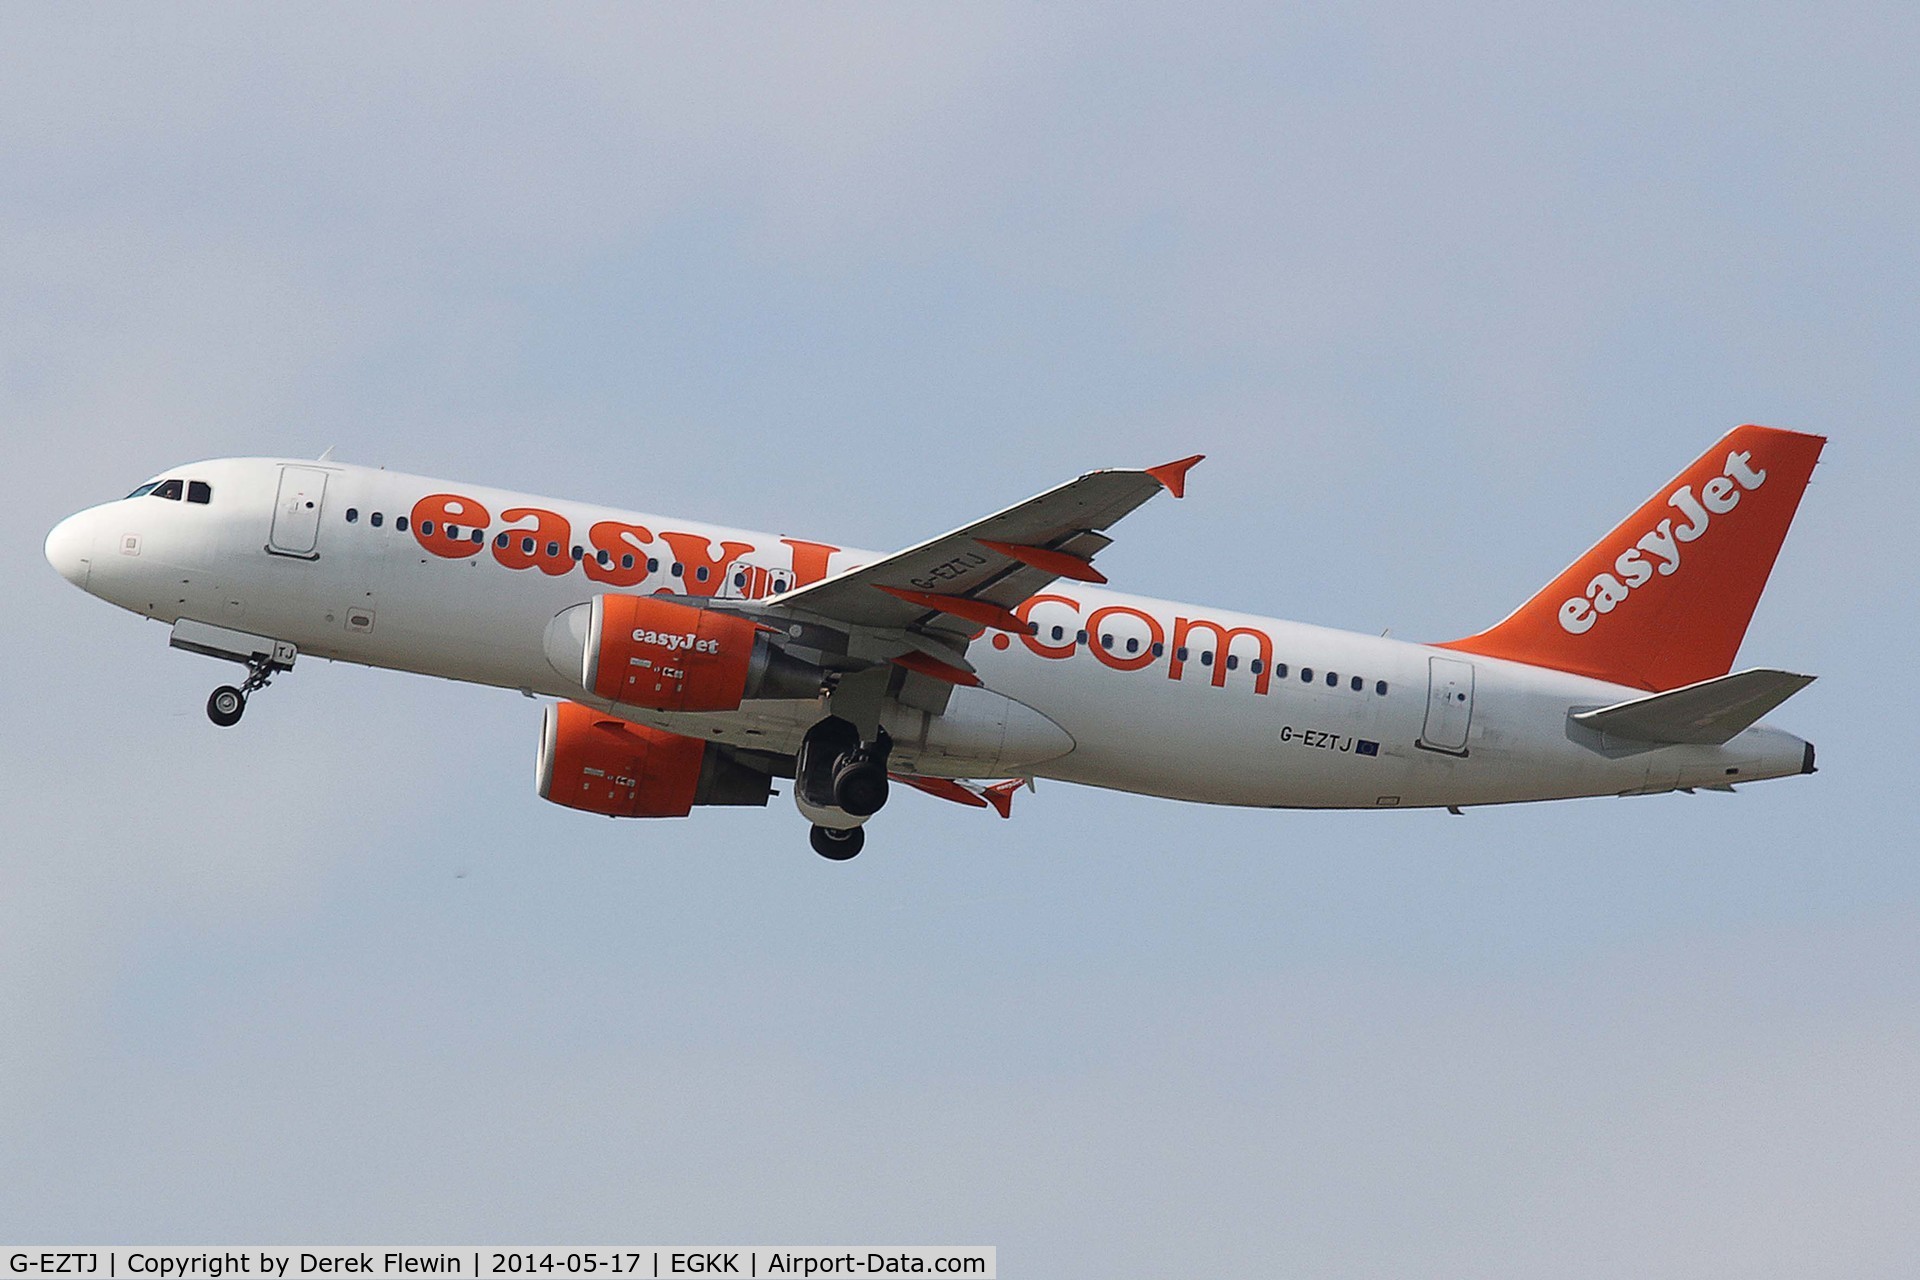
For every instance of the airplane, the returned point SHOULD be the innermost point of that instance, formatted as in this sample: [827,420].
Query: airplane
[690,664]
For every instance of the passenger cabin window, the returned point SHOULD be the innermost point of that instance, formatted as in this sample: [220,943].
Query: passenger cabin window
[168,489]
[353,515]
[400,523]
[199,491]
[1358,684]
[1380,687]
[375,519]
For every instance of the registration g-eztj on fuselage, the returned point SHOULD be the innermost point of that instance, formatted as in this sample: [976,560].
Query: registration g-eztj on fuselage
[692,664]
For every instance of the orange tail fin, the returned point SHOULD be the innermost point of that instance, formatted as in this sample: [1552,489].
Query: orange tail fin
[1665,599]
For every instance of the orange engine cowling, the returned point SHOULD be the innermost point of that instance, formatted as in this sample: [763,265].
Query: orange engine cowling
[652,653]
[596,762]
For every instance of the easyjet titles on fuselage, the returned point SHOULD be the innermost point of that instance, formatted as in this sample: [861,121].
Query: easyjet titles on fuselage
[454,526]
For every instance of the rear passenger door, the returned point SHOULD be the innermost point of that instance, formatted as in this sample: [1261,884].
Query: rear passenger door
[1449,705]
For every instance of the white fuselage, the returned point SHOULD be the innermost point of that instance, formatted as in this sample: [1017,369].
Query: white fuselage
[1111,690]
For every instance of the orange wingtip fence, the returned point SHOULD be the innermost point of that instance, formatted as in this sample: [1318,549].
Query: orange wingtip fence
[1174,474]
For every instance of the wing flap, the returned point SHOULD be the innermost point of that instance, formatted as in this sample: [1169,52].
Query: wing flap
[1710,712]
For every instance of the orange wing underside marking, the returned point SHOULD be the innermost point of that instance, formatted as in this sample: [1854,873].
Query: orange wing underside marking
[998,797]
[1059,563]
[928,665]
[983,612]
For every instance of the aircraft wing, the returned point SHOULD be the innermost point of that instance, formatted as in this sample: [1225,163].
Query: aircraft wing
[949,587]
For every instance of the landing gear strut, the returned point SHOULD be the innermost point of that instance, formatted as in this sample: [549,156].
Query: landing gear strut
[227,704]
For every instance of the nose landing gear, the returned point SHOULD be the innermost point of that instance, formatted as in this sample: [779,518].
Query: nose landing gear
[224,708]
[227,704]
[263,657]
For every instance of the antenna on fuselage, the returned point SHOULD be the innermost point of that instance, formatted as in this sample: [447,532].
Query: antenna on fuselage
[327,456]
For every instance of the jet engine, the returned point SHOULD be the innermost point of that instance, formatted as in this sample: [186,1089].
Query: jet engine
[596,762]
[645,652]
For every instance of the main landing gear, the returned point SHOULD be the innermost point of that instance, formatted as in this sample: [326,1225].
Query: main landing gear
[227,704]
[838,844]
[840,782]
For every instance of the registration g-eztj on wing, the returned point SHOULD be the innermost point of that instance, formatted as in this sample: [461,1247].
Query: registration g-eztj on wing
[692,664]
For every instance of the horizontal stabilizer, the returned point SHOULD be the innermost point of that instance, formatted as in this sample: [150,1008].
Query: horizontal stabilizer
[1710,712]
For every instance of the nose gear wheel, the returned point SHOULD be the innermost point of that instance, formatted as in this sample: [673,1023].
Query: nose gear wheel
[227,704]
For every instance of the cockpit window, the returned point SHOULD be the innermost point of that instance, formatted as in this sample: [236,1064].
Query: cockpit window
[168,489]
[145,489]
[199,491]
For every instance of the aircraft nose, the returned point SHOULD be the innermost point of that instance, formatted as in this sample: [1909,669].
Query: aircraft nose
[70,549]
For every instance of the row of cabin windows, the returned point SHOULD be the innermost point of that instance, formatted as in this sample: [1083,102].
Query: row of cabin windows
[194,490]
[1357,683]
[527,545]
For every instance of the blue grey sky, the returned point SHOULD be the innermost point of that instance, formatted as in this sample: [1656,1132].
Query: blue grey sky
[1442,292]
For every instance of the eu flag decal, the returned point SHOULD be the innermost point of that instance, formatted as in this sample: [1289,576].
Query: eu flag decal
[1366,748]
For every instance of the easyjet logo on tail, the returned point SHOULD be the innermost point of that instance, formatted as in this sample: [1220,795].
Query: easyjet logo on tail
[1701,547]
[1658,550]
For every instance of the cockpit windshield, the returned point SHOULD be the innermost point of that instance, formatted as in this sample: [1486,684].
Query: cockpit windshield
[193,490]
